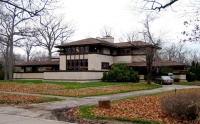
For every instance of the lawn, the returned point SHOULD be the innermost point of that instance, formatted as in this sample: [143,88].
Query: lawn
[143,109]
[196,83]
[12,99]
[73,89]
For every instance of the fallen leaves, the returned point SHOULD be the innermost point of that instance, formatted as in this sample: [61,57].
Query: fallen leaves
[94,90]
[144,107]
[28,88]
[22,99]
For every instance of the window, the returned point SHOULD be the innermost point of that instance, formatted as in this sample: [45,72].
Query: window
[28,69]
[87,49]
[73,50]
[68,50]
[77,50]
[82,50]
[105,65]
[77,64]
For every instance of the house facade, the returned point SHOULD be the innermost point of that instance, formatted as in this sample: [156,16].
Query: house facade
[87,59]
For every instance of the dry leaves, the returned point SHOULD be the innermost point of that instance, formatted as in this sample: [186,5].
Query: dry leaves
[19,99]
[144,107]
[94,90]
[28,88]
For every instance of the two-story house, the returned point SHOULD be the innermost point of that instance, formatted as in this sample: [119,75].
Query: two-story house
[87,59]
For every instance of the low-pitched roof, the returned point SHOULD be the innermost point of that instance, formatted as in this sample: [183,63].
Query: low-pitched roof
[92,41]
[158,63]
[38,63]
[134,43]
[88,41]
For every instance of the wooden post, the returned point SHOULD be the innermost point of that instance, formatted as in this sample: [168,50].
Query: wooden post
[104,104]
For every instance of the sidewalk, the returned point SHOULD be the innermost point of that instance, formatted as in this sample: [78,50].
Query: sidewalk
[39,113]
[15,119]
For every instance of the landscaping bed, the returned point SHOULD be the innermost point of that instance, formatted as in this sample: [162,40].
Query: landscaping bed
[144,109]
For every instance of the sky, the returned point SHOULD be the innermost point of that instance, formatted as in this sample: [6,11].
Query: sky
[90,16]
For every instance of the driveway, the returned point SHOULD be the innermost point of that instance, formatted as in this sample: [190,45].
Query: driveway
[44,110]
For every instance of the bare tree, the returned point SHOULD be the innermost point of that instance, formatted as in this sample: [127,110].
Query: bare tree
[150,50]
[31,7]
[16,12]
[158,5]
[51,31]
[106,31]
[132,36]
[27,45]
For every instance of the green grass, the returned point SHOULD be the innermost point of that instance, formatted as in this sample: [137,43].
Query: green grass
[78,85]
[69,85]
[85,113]
[189,83]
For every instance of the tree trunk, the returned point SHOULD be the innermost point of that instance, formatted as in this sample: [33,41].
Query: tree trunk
[50,56]
[6,63]
[11,59]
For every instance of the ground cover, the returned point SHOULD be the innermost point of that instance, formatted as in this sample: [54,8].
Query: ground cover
[143,109]
[73,89]
[196,83]
[12,99]
[95,91]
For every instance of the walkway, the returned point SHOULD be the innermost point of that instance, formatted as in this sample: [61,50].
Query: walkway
[44,110]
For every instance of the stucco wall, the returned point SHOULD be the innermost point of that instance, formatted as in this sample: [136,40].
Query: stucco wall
[73,76]
[122,59]
[181,76]
[94,61]
[138,58]
[63,62]
[28,75]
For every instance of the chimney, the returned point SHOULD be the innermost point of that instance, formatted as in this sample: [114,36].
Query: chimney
[109,39]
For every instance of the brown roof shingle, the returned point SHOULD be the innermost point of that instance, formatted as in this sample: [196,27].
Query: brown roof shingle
[158,63]
[38,63]
[91,41]
[88,41]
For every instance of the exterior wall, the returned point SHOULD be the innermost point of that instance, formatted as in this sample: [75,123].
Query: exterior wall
[28,75]
[94,61]
[63,62]
[182,77]
[138,58]
[73,76]
[122,59]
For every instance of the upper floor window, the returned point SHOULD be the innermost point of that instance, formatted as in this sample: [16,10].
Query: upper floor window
[123,51]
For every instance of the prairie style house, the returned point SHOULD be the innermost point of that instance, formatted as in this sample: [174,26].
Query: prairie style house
[87,59]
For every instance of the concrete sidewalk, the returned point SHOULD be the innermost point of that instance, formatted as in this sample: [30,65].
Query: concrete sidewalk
[15,119]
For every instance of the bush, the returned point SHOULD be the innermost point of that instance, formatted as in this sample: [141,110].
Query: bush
[120,72]
[176,79]
[182,105]
[190,76]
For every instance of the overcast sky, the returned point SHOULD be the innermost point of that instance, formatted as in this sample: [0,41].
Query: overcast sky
[90,16]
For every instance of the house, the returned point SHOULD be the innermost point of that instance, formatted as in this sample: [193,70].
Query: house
[87,59]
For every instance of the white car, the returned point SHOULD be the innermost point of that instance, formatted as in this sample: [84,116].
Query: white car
[164,80]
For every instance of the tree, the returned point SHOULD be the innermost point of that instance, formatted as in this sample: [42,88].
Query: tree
[15,13]
[51,31]
[150,50]
[158,5]
[106,31]
[31,7]
[175,52]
